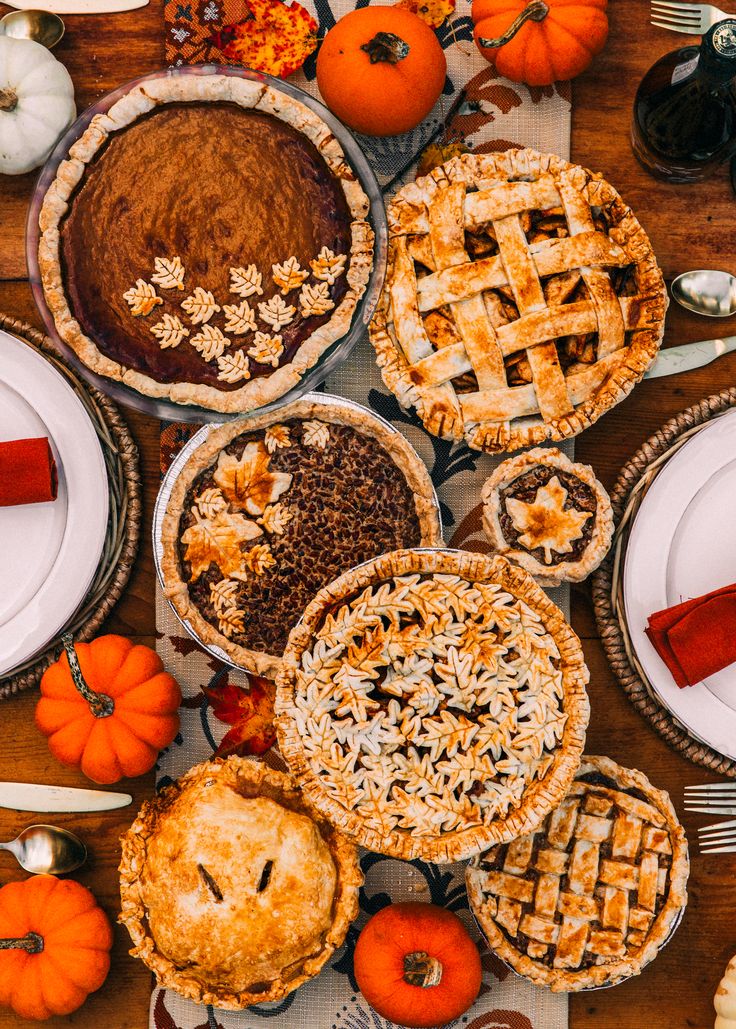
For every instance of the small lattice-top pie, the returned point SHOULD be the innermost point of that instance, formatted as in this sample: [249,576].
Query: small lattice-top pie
[432,702]
[233,890]
[206,241]
[267,511]
[522,299]
[591,896]
[549,515]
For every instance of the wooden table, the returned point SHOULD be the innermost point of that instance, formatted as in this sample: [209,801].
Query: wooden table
[690,227]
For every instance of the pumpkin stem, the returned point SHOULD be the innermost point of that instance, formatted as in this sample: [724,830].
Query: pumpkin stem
[537,10]
[8,100]
[100,704]
[31,944]
[385,46]
[420,969]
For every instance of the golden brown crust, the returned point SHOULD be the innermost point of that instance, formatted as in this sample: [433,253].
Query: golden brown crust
[254,779]
[540,795]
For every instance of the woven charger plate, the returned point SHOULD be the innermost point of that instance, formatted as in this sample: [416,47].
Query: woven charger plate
[124,520]
[631,487]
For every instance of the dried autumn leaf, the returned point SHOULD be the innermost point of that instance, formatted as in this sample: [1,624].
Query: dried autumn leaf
[250,712]
[437,153]
[276,39]
[247,481]
[433,12]
[218,541]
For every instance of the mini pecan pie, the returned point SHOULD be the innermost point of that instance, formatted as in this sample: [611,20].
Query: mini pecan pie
[432,702]
[266,512]
[233,890]
[205,242]
[590,896]
[548,515]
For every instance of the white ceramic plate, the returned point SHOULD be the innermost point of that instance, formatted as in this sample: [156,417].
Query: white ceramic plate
[48,552]
[682,545]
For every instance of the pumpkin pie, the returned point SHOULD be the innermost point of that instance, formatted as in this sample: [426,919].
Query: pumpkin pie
[233,890]
[206,241]
[269,510]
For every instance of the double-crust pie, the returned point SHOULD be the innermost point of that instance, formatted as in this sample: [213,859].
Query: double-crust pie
[548,514]
[233,890]
[588,898]
[206,241]
[267,511]
[432,702]
[522,299]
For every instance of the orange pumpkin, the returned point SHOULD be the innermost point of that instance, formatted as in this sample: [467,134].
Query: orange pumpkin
[112,711]
[558,40]
[417,965]
[381,70]
[54,946]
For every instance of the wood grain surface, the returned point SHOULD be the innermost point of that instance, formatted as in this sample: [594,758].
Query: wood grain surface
[690,227]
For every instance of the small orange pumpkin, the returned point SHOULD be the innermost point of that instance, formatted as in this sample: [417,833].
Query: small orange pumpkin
[108,707]
[417,965]
[381,70]
[54,946]
[557,39]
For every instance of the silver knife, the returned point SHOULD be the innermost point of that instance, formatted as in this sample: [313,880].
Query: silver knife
[690,355]
[77,6]
[27,796]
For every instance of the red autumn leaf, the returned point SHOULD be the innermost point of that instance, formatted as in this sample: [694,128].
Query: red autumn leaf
[249,712]
[433,12]
[277,38]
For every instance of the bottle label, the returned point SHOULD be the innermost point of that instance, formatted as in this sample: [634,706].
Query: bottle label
[683,70]
[724,38]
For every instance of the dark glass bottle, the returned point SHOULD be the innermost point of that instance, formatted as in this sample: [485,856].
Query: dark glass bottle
[684,122]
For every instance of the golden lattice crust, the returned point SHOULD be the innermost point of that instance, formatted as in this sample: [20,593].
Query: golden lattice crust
[234,891]
[590,897]
[447,341]
[432,702]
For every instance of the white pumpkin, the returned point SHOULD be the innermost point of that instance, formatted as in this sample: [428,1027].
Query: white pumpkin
[36,104]
[725,998]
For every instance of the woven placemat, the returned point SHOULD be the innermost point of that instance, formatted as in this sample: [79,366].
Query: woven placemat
[124,520]
[635,478]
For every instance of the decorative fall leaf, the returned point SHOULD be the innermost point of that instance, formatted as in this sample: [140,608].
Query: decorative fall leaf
[433,12]
[276,312]
[249,712]
[246,281]
[218,541]
[275,518]
[276,39]
[276,437]
[258,560]
[289,275]
[316,434]
[240,318]
[315,299]
[545,522]
[223,594]
[328,265]
[210,502]
[142,298]
[210,342]
[169,273]
[230,621]
[233,367]
[437,153]
[247,481]
[266,349]
[169,331]
[200,306]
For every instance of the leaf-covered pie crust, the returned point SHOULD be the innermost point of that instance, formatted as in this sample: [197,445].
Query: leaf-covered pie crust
[218,541]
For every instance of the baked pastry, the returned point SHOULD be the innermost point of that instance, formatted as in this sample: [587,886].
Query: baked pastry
[205,242]
[233,890]
[267,511]
[549,515]
[432,702]
[588,898]
[522,299]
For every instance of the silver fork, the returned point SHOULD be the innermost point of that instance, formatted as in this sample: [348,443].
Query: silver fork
[712,799]
[719,838]
[692,19]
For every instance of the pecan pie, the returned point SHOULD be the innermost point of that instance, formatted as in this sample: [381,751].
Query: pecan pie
[432,702]
[522,299]
[549,515]
[206,241]
[590,896]
[267,511]
[233,890]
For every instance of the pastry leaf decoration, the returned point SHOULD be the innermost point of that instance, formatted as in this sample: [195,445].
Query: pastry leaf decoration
[276,312]
[239,318]
[230,621]
[223,594]
[289,275]
[275,38]
[249,712]
[545,523]
[169,331]
[246,281]
[200,306]
[141,298]
[275,519]
[328,265]
[217,541]
[233,367]
[266,349]
[247,481]
[169,273]
[210,502]
[210,342]
[316,434]
[258,560]
[315,299]
[276,436]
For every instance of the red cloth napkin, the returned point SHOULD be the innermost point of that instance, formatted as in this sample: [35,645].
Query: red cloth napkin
[698,638]
[27,472]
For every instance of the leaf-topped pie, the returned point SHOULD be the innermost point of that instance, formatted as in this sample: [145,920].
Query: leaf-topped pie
[432,702]
[589,897]
[234,891]
[548,514]
[522,299]
[267,511]
[206,241]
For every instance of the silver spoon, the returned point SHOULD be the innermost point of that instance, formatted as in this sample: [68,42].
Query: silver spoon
[46,848]
[40,26]
[707,292]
